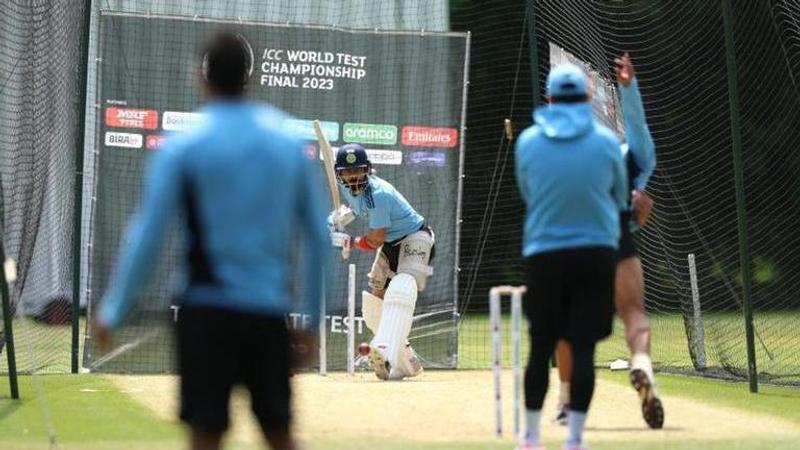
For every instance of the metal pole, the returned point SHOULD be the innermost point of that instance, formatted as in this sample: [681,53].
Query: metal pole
[7,330]
[699,331]
[741,211]
[80,131]
[533,51]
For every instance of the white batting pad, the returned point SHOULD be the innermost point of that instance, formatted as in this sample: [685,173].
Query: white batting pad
[415,256]
[371,307]
[397,316]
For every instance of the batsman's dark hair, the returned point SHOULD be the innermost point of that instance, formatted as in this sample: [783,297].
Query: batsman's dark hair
[227,63]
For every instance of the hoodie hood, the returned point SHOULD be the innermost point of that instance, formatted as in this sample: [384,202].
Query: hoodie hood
[564,120]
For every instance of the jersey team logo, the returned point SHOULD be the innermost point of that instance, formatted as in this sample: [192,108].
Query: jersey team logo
[430,137]
[132,118]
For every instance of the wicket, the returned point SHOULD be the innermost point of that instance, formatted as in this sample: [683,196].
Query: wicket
[495,312]
[351,328]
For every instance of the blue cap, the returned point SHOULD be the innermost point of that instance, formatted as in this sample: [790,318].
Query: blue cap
[567,80]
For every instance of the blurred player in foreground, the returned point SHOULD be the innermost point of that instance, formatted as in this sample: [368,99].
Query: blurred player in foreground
[245,187]
[404,246]
[640,160]
[572,178]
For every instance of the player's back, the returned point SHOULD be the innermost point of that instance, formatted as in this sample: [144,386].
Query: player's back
[570,173]
[243,190]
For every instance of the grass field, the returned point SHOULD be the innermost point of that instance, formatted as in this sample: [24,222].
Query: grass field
[117,412]
[95,412]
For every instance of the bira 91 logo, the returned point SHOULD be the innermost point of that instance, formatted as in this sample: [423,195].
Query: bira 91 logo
[132,118]
[128,140]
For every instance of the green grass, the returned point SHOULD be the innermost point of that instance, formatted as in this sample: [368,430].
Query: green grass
[776,347]
[85,409]
[89,413]
[778,401]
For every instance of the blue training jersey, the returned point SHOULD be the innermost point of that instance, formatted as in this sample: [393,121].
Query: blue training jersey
[570,173]
[639,149]
[388,209]
[246,188]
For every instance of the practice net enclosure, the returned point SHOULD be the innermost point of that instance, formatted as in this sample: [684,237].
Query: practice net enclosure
[400,94]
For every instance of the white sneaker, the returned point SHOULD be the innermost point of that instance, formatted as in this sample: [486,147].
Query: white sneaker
[561,415]
[643,381]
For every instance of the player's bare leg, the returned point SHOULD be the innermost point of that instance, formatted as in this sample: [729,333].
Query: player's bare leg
[279,440]
[202,440]
[629,302]
[564,360]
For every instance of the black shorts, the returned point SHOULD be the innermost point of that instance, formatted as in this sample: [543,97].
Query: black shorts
[627,245]
[571,294]
[220,348]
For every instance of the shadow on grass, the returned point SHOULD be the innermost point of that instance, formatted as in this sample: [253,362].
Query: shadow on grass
[8,408]
[631,429]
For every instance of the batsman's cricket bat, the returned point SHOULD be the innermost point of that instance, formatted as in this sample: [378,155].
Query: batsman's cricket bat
[328,160]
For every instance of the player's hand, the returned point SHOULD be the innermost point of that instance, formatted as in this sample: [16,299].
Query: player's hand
[642,206]
[103,335]
[340,239]
[340,218]
[623,68]
[303,344]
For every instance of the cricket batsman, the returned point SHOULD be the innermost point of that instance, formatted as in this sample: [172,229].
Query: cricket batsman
[403,246]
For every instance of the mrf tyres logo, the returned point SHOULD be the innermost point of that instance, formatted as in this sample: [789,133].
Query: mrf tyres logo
[368,133]
[132,118]
[430,137]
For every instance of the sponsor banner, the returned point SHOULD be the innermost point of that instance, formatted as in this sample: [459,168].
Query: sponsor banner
[153,141]
[368,133]
[388,157]
[430,137]
[132,118]
[379,157]
[128,140]
[181,121]
[304,129]
[426,158]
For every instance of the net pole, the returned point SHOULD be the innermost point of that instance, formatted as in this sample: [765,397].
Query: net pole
[699,332]
[533,51]
[7,330]
[741,211]
[80,131]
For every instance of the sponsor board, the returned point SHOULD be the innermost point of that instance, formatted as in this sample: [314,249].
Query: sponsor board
[426,158]
[369,133]
[304,129]
[379,157]
[128,140]
[430,137]
[181,121]
[132,118]
[153,141]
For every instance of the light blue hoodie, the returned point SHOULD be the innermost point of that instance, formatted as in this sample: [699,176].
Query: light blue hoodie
[572,178]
